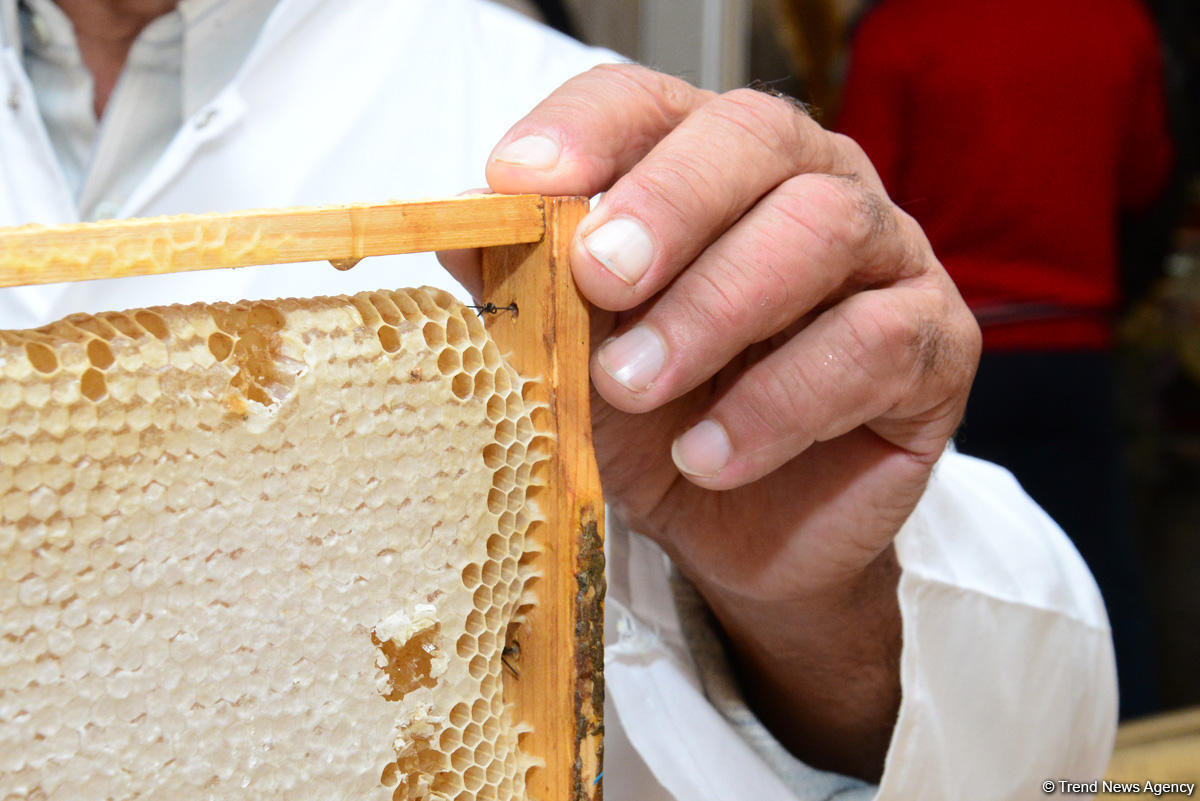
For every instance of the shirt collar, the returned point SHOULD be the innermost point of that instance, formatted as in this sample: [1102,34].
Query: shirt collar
[10,29]
[218,37]
[45,29]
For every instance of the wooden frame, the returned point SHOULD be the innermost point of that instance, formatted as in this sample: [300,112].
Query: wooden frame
[558,652]
[37,254]
[563,647]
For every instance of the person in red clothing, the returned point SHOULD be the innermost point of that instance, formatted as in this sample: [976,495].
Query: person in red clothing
[1017,132]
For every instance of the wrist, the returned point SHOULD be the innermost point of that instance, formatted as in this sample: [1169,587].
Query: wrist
[822,669]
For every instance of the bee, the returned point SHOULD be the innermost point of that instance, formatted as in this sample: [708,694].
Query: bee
[514,652]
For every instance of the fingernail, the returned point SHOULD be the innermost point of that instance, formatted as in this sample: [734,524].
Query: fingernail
[635,358]
[535,151]
[623,246]
[703,450]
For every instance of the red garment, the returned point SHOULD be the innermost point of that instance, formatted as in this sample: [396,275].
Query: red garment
[1015,131]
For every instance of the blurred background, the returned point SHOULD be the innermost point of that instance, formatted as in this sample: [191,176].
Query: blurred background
[1050,148]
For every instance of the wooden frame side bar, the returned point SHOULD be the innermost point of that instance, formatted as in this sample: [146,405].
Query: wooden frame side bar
[559,687]
[35,254]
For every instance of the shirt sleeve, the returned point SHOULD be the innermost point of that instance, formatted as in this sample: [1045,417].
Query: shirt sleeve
[1007,670]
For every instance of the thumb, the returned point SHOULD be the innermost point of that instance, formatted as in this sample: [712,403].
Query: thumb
[591,131]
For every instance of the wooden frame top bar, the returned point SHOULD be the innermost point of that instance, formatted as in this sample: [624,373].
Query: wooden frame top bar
[37,254]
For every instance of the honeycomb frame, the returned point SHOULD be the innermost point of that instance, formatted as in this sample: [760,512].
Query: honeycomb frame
[524,640]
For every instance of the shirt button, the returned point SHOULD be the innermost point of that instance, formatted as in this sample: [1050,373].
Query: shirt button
[205,117]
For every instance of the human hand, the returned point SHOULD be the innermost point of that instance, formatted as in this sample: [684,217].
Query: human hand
[782,362]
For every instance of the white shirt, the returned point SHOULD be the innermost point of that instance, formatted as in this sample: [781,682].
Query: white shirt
[176,65]
[1006,669]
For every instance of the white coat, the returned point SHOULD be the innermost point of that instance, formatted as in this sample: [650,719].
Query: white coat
[1007,670]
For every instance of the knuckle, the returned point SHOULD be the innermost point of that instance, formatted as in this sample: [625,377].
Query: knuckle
[804,201]
[633,75]
[763,106]
[772,108]
[870,229]
[960,346]
[882,335]
[851,151]
[971,336]
[930,344]
[749,117]
[776,124]
[854,159]
[608,79]
[854,226]
[673,97]
[918,341]
[796,105]
[770,292]
[874,211]
[915,252]
[717,306]
[680,184]
[671,182]
[774,409]
[845,215]
[619,69]
[848,144]
[721,302]
[944,356]
[851,158]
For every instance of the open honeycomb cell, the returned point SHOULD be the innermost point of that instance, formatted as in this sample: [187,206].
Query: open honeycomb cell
[262,550]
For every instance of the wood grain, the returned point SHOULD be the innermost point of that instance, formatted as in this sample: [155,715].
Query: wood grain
[558,685]
[35,254]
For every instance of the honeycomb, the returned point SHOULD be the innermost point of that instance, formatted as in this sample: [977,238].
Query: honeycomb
[263,550]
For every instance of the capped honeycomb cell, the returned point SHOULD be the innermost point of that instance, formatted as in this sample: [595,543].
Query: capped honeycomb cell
[260,550]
